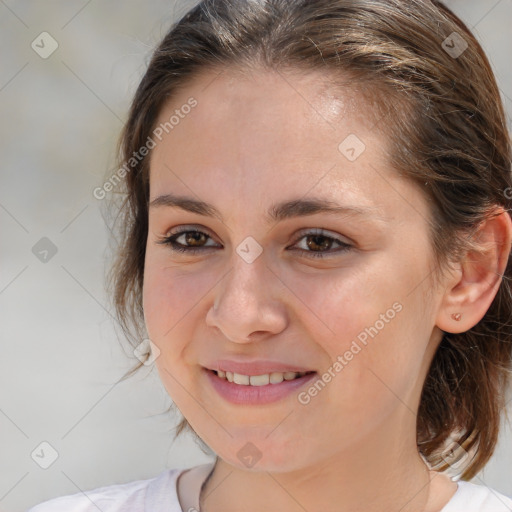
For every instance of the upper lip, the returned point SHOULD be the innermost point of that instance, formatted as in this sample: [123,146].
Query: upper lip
[260,367]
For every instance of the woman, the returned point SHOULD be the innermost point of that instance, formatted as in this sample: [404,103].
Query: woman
[317,240]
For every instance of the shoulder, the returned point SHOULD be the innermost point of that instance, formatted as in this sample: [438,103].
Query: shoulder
[471,497]
[152,494]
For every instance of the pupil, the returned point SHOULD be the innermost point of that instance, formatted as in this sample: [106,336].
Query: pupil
[194,237]
[326,243]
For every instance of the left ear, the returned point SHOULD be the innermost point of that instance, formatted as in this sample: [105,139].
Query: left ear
[474,281]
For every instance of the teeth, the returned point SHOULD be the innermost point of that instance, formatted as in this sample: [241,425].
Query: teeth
[276,378]
[241,379]
[259,380]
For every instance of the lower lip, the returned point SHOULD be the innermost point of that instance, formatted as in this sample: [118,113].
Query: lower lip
[254,395]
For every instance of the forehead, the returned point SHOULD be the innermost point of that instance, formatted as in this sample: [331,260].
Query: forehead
[289,116]
[258,98]
[253,138]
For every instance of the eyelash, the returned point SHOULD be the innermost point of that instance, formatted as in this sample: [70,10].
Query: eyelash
[175,246]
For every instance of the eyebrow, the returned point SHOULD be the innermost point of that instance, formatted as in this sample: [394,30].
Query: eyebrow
[276,213]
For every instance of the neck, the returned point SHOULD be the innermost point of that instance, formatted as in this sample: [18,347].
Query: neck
[231,489]
[392,482]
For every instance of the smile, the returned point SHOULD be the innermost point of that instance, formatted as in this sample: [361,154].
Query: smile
[261,389]
[259,380]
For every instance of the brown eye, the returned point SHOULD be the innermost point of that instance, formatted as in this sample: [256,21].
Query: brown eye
[318,245]
[191,241]
[194,238]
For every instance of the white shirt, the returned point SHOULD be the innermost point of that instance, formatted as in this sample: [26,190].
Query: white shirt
[159,494]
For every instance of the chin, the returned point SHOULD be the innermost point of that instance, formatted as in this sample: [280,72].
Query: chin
[264,452]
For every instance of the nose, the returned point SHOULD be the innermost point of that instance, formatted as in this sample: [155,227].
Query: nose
[247,306]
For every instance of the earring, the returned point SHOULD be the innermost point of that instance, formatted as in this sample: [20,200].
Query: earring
[456,316]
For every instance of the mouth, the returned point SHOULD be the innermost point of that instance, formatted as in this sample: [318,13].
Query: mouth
[256,382]
[265,379]
[262,389]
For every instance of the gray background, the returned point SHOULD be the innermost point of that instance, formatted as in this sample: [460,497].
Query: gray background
[60,118]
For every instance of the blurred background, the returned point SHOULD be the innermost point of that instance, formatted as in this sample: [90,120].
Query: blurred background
[68,71]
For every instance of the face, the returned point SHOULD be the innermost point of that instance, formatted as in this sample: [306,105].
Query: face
[346,294]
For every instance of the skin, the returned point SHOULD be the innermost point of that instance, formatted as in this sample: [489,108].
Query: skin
[254,140]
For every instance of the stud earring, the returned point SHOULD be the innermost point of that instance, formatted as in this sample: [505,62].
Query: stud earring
[456,316]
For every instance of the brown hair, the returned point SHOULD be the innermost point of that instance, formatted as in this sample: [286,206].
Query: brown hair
[448,135]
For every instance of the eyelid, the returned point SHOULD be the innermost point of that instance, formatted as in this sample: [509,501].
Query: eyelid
[174,246]
[323,232]
[185,228]
[298,236]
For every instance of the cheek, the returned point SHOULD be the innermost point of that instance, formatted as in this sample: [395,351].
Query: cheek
[340,305]
[382,365]
[373,327]
[373,380]
[174,300]
[171,300]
